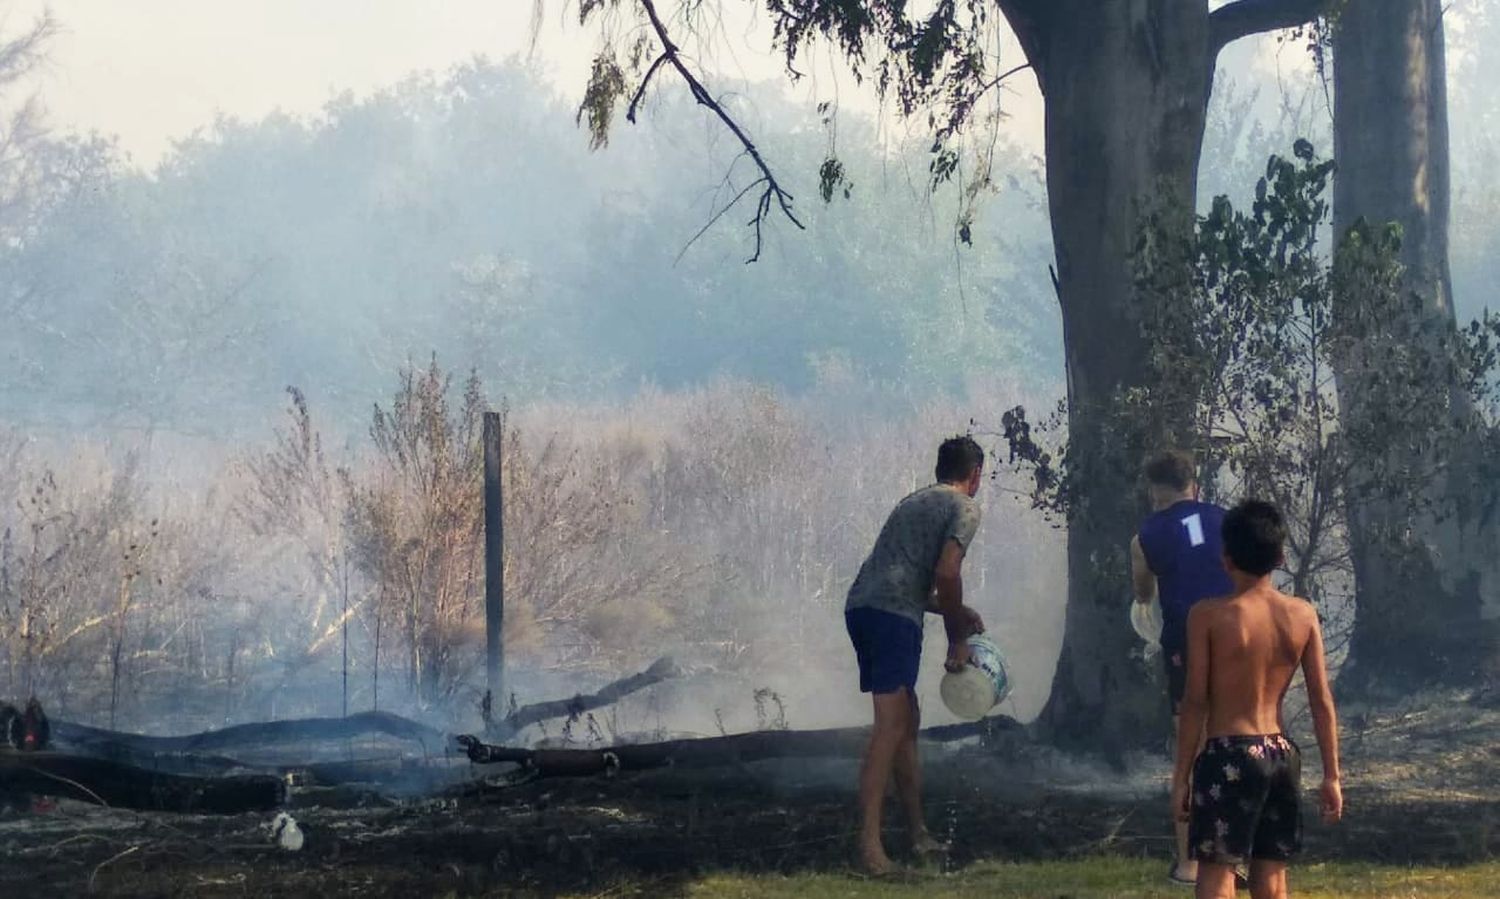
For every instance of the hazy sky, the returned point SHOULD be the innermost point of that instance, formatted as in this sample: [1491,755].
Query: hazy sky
[151,71]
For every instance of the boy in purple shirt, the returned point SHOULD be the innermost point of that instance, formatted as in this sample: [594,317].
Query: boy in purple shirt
[1177,559]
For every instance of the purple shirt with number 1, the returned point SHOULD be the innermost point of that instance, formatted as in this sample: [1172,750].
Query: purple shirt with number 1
[1184,550]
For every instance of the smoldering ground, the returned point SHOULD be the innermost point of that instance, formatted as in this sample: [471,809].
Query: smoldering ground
[653,833]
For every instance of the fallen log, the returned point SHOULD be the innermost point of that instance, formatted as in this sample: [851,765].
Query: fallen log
[187,763]
[524,717]
[398,775]
[113,784]
[733,749]
[127,746]
[192,753]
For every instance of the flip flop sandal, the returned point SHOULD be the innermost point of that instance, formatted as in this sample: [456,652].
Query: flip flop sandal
[1174,877]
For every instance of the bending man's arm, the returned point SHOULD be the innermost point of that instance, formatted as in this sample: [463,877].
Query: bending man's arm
[959,620]
[1141,578]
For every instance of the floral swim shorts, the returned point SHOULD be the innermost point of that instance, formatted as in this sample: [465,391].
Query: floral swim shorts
[1246,801]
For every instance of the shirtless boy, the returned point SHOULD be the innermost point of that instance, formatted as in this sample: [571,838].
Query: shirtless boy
[1241,796]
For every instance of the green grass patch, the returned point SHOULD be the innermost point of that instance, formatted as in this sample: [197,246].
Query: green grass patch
[1101,878]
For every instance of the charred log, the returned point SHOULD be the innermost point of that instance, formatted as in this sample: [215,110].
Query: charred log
[108,783]
[734,749]
[112,744]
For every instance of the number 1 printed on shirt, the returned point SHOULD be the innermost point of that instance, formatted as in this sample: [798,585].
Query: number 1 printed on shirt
[1194,525]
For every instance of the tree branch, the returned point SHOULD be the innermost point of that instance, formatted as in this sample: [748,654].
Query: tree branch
[773,190]
[663,669]
[640,92]
[1243,18]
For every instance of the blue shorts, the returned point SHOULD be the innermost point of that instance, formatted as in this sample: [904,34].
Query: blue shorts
[888,647]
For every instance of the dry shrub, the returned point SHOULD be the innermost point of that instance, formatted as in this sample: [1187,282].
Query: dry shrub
[60,556]
[416,519]
[292,506]
[721,524]
[78,582]
[585,579]
[581,558]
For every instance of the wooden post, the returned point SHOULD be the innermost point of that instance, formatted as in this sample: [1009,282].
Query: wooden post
[494,556]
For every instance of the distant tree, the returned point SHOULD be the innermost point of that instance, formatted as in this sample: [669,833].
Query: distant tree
[461,214]
[23,170]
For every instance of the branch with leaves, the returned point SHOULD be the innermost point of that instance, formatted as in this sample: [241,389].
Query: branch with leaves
[607,85]
[1245,348]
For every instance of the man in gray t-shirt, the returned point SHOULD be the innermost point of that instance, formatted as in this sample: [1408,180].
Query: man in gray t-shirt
[913,569]
[899,573]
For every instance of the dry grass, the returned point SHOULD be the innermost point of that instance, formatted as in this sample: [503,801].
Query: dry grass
[721,525]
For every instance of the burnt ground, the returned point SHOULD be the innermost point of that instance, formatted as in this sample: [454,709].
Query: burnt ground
[1422,787]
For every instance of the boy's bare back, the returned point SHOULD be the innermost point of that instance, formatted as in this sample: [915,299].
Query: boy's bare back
[1255,642]
[1240,794]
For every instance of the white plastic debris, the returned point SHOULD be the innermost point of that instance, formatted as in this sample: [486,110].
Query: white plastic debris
[286,833]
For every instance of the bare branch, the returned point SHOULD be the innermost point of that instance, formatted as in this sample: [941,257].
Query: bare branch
[640,92]
[718,215]
[1243,18]
[774,192]
[999,79]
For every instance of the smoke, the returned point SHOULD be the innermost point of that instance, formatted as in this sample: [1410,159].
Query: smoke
[720,526]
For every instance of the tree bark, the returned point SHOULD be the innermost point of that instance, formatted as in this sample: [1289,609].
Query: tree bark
[1428,588]
[1126,87]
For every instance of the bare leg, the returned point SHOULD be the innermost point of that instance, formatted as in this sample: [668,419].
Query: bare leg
[1268,880]
[1187,867]
[891,713]
[1215,881]
[908,771]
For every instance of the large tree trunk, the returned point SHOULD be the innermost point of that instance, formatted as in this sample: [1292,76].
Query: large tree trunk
[1428,586]
[1126,87]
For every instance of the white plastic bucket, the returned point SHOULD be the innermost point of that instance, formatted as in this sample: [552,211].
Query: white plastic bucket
[973,692]
[1145,617]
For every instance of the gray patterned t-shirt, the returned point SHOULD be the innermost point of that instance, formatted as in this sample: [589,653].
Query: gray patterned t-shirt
[898,575]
